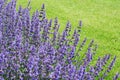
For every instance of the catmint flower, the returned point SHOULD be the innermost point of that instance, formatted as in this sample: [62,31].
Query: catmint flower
[0,35]
[116,76]
[31,47]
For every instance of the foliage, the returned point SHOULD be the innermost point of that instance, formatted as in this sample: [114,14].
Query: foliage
[30,48]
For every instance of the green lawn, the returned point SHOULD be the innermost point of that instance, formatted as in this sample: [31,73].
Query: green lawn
[101,21]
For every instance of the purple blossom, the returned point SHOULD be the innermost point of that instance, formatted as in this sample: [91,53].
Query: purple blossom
[34,49]
[116,76]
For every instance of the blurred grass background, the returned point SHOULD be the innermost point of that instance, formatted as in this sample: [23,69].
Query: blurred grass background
[100,18]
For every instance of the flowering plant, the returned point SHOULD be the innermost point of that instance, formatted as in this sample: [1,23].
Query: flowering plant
[31,48]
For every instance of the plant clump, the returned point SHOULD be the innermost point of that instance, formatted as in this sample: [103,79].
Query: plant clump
[31,48]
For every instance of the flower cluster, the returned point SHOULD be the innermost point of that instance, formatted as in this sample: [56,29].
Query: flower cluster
[31,48]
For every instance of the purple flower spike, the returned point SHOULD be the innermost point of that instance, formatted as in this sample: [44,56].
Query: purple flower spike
[32,48]
[116,76]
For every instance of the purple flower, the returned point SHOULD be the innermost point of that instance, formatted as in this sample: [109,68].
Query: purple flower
[32,48]
[116,76]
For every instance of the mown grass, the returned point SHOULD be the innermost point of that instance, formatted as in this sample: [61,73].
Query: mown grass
[101,21]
